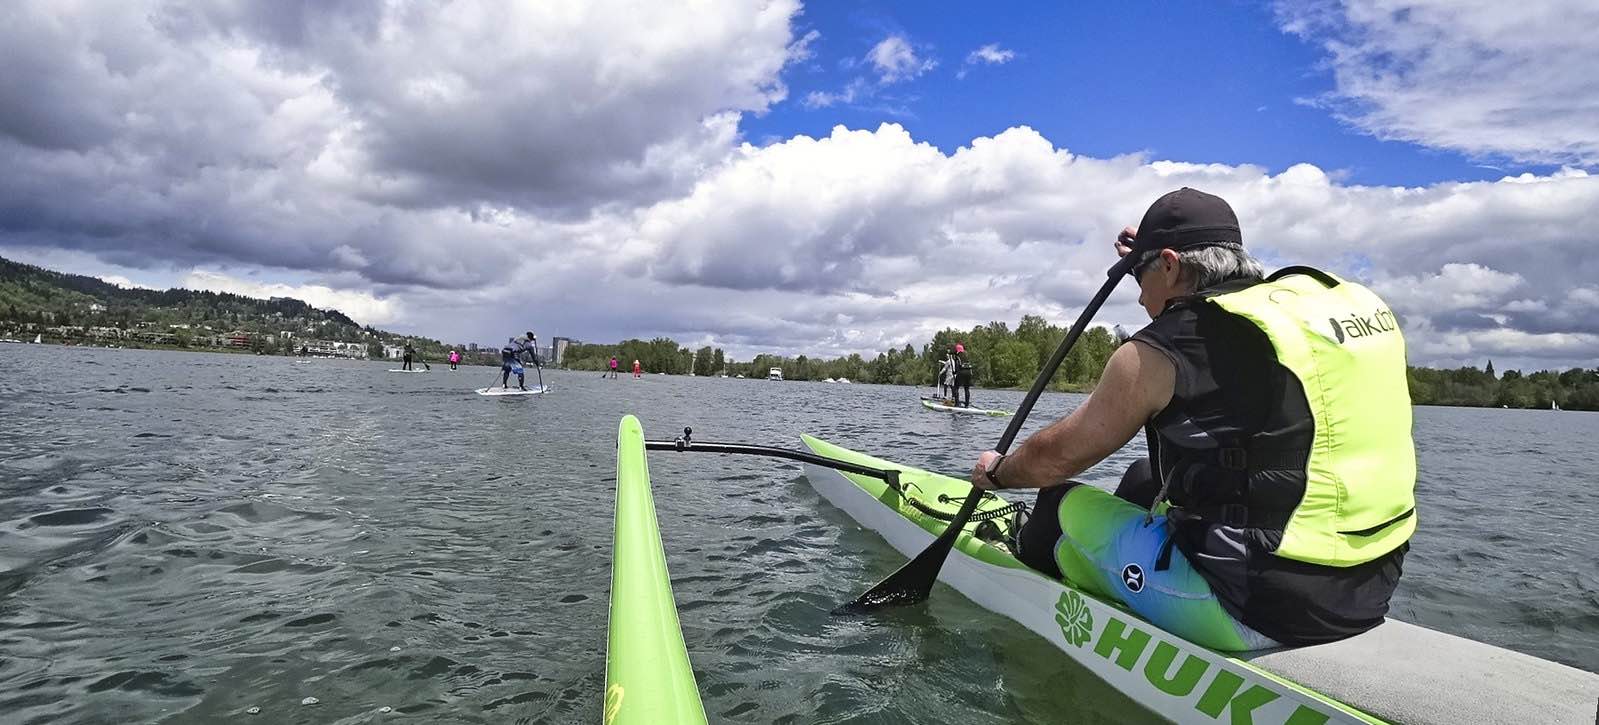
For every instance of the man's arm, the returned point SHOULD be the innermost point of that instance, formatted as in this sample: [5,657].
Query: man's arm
[1137,383]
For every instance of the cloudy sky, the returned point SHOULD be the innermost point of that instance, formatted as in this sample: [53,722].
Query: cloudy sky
[772,176]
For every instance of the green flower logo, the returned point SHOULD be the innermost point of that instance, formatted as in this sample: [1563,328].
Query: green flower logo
[1076,622]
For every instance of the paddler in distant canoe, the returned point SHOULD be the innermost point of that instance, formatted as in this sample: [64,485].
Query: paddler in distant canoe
[1278,498]
[512,357]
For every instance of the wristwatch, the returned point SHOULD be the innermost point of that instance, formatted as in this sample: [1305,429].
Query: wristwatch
[993,469]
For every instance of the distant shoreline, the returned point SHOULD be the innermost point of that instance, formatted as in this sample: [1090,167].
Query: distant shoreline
[249,353]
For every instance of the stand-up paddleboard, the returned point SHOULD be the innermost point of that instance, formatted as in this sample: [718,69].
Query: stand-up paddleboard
[402,370]
[496,392]
[939,405]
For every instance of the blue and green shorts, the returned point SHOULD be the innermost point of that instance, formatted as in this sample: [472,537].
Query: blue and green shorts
[1115,549]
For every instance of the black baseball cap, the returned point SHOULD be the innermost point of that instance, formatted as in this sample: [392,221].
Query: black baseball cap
[1187,218]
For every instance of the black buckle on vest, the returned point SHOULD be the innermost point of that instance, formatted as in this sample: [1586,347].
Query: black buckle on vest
[1233,459]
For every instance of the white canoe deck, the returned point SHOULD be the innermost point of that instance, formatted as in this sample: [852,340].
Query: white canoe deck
[1404,673]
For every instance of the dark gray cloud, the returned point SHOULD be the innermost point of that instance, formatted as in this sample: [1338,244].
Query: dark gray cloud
[379,139]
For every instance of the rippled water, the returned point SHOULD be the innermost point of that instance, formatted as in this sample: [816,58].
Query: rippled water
[184,537]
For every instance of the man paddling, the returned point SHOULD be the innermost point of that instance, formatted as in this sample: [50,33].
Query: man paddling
[1277,501]
[512,357]
[613,367]
[409,353]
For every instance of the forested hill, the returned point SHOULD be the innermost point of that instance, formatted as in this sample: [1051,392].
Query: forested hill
[25,288]
[73,307]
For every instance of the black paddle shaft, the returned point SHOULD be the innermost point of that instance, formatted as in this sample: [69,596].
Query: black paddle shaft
[914,581]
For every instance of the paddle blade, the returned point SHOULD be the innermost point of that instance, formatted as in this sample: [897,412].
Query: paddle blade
[910,585]
[914,581]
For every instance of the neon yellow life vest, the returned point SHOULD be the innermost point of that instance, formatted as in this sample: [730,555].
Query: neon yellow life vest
[1343,344]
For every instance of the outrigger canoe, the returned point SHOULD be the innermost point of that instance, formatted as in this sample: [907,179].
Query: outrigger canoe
[1396,672]
[648,679]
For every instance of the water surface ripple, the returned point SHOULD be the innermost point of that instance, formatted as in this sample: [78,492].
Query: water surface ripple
[185,537]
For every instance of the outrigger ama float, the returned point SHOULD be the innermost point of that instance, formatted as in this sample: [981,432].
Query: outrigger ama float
[1396,672]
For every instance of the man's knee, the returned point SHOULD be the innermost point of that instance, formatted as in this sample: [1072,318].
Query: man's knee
[1036,541]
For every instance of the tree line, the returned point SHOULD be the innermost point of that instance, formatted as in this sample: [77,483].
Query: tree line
[1573,389]
[1001,358]
[1004,357]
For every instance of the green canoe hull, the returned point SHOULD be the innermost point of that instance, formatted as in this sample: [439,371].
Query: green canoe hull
[1172,677]
[648,678]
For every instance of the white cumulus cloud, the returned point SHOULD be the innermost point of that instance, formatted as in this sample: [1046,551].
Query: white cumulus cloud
[990,54]
[896,60]
[1512,79]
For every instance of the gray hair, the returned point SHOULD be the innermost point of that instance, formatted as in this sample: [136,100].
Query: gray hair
[1206,267]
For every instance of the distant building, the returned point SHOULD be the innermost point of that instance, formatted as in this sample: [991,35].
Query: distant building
[236,340]
[157,338]
[393,352]
[471,347]
[558,349]
[330,348]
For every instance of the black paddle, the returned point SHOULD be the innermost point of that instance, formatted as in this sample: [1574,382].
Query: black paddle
[914,581]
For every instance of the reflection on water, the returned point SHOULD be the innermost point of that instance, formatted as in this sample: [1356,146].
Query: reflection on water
[186,537]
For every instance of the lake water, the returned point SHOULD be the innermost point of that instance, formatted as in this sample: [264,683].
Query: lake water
[186,536]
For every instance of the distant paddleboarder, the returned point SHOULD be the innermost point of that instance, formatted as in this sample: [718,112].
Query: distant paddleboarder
[638,371]
[613,367]
[409,352]
[946,373]
[963,377]
[455,359]
[512,356]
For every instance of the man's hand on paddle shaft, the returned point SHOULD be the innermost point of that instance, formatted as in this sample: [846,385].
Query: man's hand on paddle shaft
[980,471]
[1125,240]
